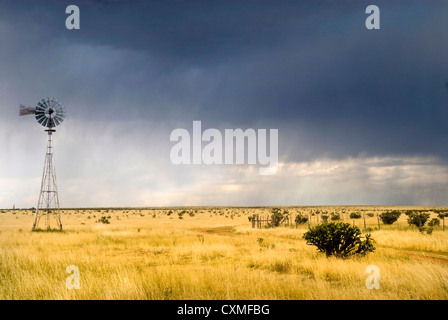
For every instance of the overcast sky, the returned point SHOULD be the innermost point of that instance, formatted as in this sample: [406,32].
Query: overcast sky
[362,114]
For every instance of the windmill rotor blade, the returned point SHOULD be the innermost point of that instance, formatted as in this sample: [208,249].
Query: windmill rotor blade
[41,119]
[60,115]
[44,122]
[56,121]
[40,107]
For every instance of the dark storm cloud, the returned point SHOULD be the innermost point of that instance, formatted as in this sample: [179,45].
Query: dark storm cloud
[361,114]
[309,68]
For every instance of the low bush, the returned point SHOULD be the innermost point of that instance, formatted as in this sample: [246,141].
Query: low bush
[335,217]
[355,215]
[434,222]
[390,217]
[417,218]
[339,239]
[301,219]
[104,220]
[277,216]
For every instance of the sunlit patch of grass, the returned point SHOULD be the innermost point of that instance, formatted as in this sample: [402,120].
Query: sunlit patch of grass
[209,256]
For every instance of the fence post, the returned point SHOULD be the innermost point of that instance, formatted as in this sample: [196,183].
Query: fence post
[378,218]
[253,221]
[364,214]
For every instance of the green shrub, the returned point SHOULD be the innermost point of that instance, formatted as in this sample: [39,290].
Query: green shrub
[181,213]
[339,239]
[434,222]
[355,215]
[417,218]
[335,217]
[277,216]
[442,214]
[390,217]
[104,220]
[301,218]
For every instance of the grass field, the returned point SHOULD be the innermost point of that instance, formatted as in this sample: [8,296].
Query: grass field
[210,253]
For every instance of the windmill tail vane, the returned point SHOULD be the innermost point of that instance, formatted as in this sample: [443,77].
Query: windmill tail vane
[23,111]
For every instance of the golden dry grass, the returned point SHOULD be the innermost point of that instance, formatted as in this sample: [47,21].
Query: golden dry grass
[215,254]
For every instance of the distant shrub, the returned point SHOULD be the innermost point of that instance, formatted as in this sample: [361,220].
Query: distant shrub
[181,213]
[104,220]
[370,214]
[442,214]
[434,222]
[355,215]
[301,219]
[277,216]
[417,218]
[324,218]
[390,217]
[339,239]
[335,217]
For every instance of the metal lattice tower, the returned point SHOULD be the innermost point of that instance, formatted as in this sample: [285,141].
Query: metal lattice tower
[49,113]
[48,204]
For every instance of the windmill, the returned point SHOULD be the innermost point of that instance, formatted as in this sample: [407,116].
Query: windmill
[49,113]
